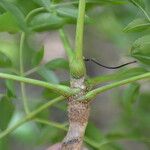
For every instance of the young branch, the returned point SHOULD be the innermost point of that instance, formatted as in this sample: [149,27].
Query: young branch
[66,44]
[30,116]
[90,95]
[80,29]
[23,90]
[61,89]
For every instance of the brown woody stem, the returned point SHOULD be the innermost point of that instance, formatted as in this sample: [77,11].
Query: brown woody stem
[78,113]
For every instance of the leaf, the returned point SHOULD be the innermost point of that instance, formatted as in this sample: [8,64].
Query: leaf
[141,5]
[15,11]
[4,60]
[46,21]
[8,23]
[130,95]
[141,49]
[94,133]
[48,75]
[38,56]
[26,133]
[44,3]
[71,14]
[138,3]
[6,112]
[10,88]
[119,75]
[49,94]
[137,25]
[55,135]
[10,48]
[58,63]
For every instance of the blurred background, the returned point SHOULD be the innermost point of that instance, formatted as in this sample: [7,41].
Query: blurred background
[105,41]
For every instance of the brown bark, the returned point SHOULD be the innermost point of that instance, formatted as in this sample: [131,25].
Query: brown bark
[78,114]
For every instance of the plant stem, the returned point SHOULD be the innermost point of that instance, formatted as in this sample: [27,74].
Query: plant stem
[54,124]
[66,44]
[23,90]
[80,29]
[30,116]
[61,89]
[90,95]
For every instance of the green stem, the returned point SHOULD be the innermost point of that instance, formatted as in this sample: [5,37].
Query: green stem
[53,124]
[30,116]
[32,12]
[90,95]
[23,90]
[66,44]
[80,29]
[61,89]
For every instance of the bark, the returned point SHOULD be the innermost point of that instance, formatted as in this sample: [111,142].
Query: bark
[78,114]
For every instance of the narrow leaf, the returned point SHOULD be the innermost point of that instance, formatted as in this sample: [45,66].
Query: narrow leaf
[38,56]
[71,14]
[46,21]
[8,23]
[48,75]
[6,112]
[4,60]
[137,25]
[141,49]
[58,63]
[15,11]
[10,88]
[130,95]
[44,3]
[138,3]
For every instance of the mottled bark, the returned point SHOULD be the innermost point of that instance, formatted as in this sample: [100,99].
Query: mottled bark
[78,114]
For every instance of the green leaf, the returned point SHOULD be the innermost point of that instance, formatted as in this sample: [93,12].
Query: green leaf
[15,11]
[44,3]
[6,112]
[130,95]
[141,49]
[93,133]
[137,25]
[26,133]
[119,75]
[38,56]
[49,94]
[10,88]
[46,21]
[48,75]
[4,60]
[141,5]
[8,23]
[138,3]
[55,135]
[71,14]
[58,63]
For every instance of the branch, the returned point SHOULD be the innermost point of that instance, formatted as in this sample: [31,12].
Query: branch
[61,89]
[30,116]
[90,95]
[80,29]
[23,90]
[66,44]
